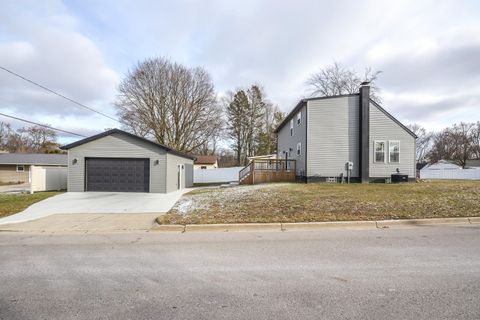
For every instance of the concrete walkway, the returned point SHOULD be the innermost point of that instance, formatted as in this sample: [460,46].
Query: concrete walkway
[98,203]
[85,223]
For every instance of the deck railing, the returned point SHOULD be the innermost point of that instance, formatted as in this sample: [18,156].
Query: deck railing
[275,170]
[245,172]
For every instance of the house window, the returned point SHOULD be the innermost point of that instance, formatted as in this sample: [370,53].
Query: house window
[299,149]
[203,167]
[379,151]
[291,128]
[299,118]
[20,168]
[394,151]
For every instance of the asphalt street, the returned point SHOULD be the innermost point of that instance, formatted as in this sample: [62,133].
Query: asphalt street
[427,272]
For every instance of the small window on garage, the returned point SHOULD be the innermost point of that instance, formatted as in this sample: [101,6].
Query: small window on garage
[20,168]
[203,167]
[394,151]
[379,151]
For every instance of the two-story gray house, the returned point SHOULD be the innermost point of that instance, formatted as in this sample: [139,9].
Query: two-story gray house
[324,134]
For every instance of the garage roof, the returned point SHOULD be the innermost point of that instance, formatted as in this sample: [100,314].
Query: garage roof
[34,159]
[118,131]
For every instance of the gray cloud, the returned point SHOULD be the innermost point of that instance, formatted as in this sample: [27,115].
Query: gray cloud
[48,49]
[427,50]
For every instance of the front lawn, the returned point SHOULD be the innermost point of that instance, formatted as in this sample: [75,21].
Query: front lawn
[283,202]
[13,203]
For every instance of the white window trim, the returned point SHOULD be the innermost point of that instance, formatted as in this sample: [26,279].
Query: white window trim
[299,148]
[375,151]
[299,118]
[399,153]
[23,167]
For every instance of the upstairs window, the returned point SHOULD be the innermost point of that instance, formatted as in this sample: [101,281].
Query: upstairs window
[299,118]
[379,151]
[299,149]
[291,128]
[20,168]
[394,151]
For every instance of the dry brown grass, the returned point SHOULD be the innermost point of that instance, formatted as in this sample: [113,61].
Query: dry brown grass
[326,202]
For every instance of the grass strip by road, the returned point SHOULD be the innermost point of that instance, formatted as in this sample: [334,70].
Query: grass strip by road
[326,202]
[13,203]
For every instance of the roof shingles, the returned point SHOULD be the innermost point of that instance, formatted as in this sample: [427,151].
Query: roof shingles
[34,159]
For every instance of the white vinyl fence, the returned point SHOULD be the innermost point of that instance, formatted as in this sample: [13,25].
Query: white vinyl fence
[457,174]
[48,178]
[218,175]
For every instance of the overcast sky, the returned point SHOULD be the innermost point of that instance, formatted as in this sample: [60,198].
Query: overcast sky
[428,52]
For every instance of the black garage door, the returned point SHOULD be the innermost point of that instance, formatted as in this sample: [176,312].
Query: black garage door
[118,175]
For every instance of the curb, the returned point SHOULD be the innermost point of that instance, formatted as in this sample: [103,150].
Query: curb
[332,224]
[413,222]
[474,220]
[306,226]
[234,227]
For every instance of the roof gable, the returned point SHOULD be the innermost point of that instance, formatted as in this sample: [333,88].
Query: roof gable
[128,134]
[394,119]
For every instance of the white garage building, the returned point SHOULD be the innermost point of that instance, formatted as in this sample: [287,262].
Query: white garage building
[118,161]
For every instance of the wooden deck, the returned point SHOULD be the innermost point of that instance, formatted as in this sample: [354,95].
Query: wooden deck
[265,171]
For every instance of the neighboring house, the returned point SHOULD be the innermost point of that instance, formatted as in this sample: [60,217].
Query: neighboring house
[205,162]
[16,167]
[118,161]
[323,134]
[473,163]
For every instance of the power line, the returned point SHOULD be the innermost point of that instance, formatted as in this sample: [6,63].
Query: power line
[42,125]
[59,94]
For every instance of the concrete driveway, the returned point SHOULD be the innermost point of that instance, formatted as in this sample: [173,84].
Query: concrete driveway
[102,203]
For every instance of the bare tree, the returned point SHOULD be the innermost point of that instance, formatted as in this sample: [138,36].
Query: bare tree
[337,80]
[27,139]
[171,103]
[423,142]
[36,138]
[455,143]
[5,132]
[476,140]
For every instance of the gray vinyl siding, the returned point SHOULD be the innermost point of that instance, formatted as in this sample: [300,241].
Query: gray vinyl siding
[285,141]
[385,129]
[333,136]
[188,175]
[173,161]
[117,146]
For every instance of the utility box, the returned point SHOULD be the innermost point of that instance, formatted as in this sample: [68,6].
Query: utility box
[398,177]
[349,166]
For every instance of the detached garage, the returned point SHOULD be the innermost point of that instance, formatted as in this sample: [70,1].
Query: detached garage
[118,161]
